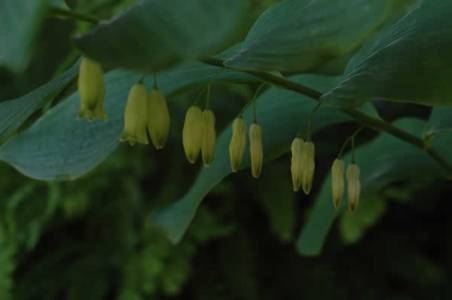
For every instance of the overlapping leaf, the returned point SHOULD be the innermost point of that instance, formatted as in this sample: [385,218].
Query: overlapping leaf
[15,111]
[306,35]
[409,62]
[155,34]
[19,23]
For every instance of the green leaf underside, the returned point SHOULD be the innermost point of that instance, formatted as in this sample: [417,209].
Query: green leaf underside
[60,147]
[409,62]
[19,23]
[14,112]
[153,35]
[383,161]
[304,35]
[281,114]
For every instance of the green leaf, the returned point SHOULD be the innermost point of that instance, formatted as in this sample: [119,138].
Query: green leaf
[440,121]
[382,161]
[60,146]
[14,112]
[304,35]
[20,21]
[409,62]
[281,114]
[153,35]
[353,225]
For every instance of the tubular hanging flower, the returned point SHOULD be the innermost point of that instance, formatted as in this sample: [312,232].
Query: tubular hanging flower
[237,144]
[337,181]
[192,133]
[354,186]
[256,151]
[296,166]
[308,166]
[135,116]
[92,90]
[158,119]
[209,137]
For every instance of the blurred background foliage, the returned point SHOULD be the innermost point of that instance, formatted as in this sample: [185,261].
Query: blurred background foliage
[92,238]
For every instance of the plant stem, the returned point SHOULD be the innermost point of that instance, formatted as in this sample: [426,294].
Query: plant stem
[368,121]
[61,12]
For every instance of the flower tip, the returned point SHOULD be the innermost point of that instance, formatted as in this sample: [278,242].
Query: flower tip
[307,188]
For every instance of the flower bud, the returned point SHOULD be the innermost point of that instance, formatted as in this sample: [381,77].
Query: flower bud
[92,90]
[158,118]
[337,181]
[256,151]
[296,167]
[308,166]
[192,133]
[208,137]
[135,116]
[237,144]
[354,186]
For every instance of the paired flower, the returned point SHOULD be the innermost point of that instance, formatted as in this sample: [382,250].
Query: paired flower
[208,137]
[338,184]
[256,150]
[158,120]
[192,133]
[136,116]
[302,165]
[237,144]
[354,186]
[337,181]
[146,113]
[199,135]
[92,90]
[296,166]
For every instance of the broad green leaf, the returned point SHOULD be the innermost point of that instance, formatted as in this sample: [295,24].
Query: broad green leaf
[281,114]
[14,112]
[411,61]
[20,21]
[305,35]
[382,161]
[60,146]
[440,121]
[155,34]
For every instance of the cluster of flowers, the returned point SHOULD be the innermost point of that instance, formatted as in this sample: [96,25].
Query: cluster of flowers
[146,114]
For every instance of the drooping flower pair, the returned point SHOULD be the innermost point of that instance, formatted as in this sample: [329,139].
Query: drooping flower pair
[146,113]
[302,165]
[338,183]
[237,146]
[199,135]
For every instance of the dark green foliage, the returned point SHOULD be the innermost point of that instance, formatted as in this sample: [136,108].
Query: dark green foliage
[110,221]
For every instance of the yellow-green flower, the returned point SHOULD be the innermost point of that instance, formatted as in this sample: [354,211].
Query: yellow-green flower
[158,119]
[92,90]
[209,137]
[337,181]
[354,186]
[192,133]
[308,166]
[136,115]
[296,166]
[237,144]
[256,151]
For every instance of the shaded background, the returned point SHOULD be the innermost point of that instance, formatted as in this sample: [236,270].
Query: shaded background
[93,239]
